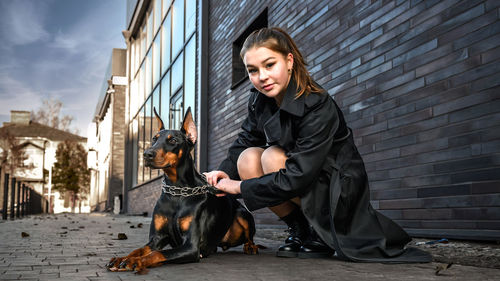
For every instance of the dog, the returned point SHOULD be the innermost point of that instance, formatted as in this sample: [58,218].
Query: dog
[188,216]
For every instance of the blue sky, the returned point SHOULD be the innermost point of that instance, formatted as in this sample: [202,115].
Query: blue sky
[57,49]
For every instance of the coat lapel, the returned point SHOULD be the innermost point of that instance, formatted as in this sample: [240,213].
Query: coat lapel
[272,128]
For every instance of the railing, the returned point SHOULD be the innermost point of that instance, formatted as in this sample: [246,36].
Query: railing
[24,200]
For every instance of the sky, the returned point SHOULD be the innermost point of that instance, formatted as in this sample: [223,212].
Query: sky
[57,49]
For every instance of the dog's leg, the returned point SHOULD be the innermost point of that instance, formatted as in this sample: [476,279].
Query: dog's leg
[240,232]
[156,242]
[245,219]
[185,253]
[249,247]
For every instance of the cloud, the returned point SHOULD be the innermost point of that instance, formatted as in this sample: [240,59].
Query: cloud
[65,42]
[23,22]
[15,95]
[73,46]
[89,34]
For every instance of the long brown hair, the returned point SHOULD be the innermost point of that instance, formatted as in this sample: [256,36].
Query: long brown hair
[277,40]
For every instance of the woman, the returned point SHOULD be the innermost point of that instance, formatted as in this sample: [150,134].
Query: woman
[296,156]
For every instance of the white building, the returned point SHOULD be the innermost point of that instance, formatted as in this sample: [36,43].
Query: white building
[40,145]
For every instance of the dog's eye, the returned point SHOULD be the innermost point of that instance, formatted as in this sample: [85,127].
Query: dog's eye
[172,141]
[155,139]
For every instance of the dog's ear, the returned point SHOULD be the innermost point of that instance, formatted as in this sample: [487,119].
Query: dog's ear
[158,119]
[188,126]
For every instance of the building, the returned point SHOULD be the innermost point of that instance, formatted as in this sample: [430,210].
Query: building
[39,144]
[162,39]
[106,137]
[418,83]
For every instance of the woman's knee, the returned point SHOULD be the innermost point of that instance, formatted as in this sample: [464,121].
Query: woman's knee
[249,163]
[273,159]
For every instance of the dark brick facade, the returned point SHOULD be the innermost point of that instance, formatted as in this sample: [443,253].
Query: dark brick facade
[117,146]
[419,83]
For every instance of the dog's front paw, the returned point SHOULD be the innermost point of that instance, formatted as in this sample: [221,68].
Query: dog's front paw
[132,264]
[250,248]
[114,263]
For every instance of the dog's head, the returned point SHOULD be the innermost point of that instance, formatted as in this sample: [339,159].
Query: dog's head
[170,146]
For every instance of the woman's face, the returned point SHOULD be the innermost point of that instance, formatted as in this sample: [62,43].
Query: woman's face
[268,71]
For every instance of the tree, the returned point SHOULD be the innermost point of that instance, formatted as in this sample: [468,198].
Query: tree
[50,115]
[70,172]
[12,154]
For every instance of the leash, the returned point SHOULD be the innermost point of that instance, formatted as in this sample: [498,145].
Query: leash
[186,191]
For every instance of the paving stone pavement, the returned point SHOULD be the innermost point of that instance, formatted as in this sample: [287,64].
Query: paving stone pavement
[77,246]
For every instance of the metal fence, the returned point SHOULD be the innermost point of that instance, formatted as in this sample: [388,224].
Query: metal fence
[19,199]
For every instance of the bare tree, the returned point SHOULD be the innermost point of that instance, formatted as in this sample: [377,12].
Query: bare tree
[12,155]
[49,114]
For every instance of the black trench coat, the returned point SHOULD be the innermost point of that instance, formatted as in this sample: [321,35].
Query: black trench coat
[325,170]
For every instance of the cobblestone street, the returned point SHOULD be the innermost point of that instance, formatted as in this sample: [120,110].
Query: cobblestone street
[76,247]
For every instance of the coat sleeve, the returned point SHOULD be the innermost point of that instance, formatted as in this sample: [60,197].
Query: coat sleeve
[315,136]
[249,136]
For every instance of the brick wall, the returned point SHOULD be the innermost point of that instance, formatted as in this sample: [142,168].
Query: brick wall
[143,198]
[419,83]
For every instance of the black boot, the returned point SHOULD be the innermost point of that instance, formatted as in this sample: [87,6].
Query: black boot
[314,247]
[298,229]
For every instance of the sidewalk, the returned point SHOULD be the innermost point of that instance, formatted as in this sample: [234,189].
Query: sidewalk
[76,247]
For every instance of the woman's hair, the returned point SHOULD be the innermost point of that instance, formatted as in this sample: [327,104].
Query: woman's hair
[277,40]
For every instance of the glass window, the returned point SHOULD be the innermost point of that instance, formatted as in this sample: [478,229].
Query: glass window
[141,84]
[140,147]
[154,123]
[165,44]
[156,105]
[147,134]
[132,58]
[190,17]
[178,27]
[176,111]
[163,72]
[156,60]
[133,98]
[143,41]
[165,100]
[149,30]
[239,71]
[137,55]
[133,131]
[190,75]
[157,12]
[148,74]
[166,6]
[177,73]
[148,113]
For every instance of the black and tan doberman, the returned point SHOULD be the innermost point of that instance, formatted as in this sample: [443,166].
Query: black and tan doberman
[188,216]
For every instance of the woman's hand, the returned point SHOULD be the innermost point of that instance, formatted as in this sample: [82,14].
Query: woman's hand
[229,186]
[222,182]
[213,177]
